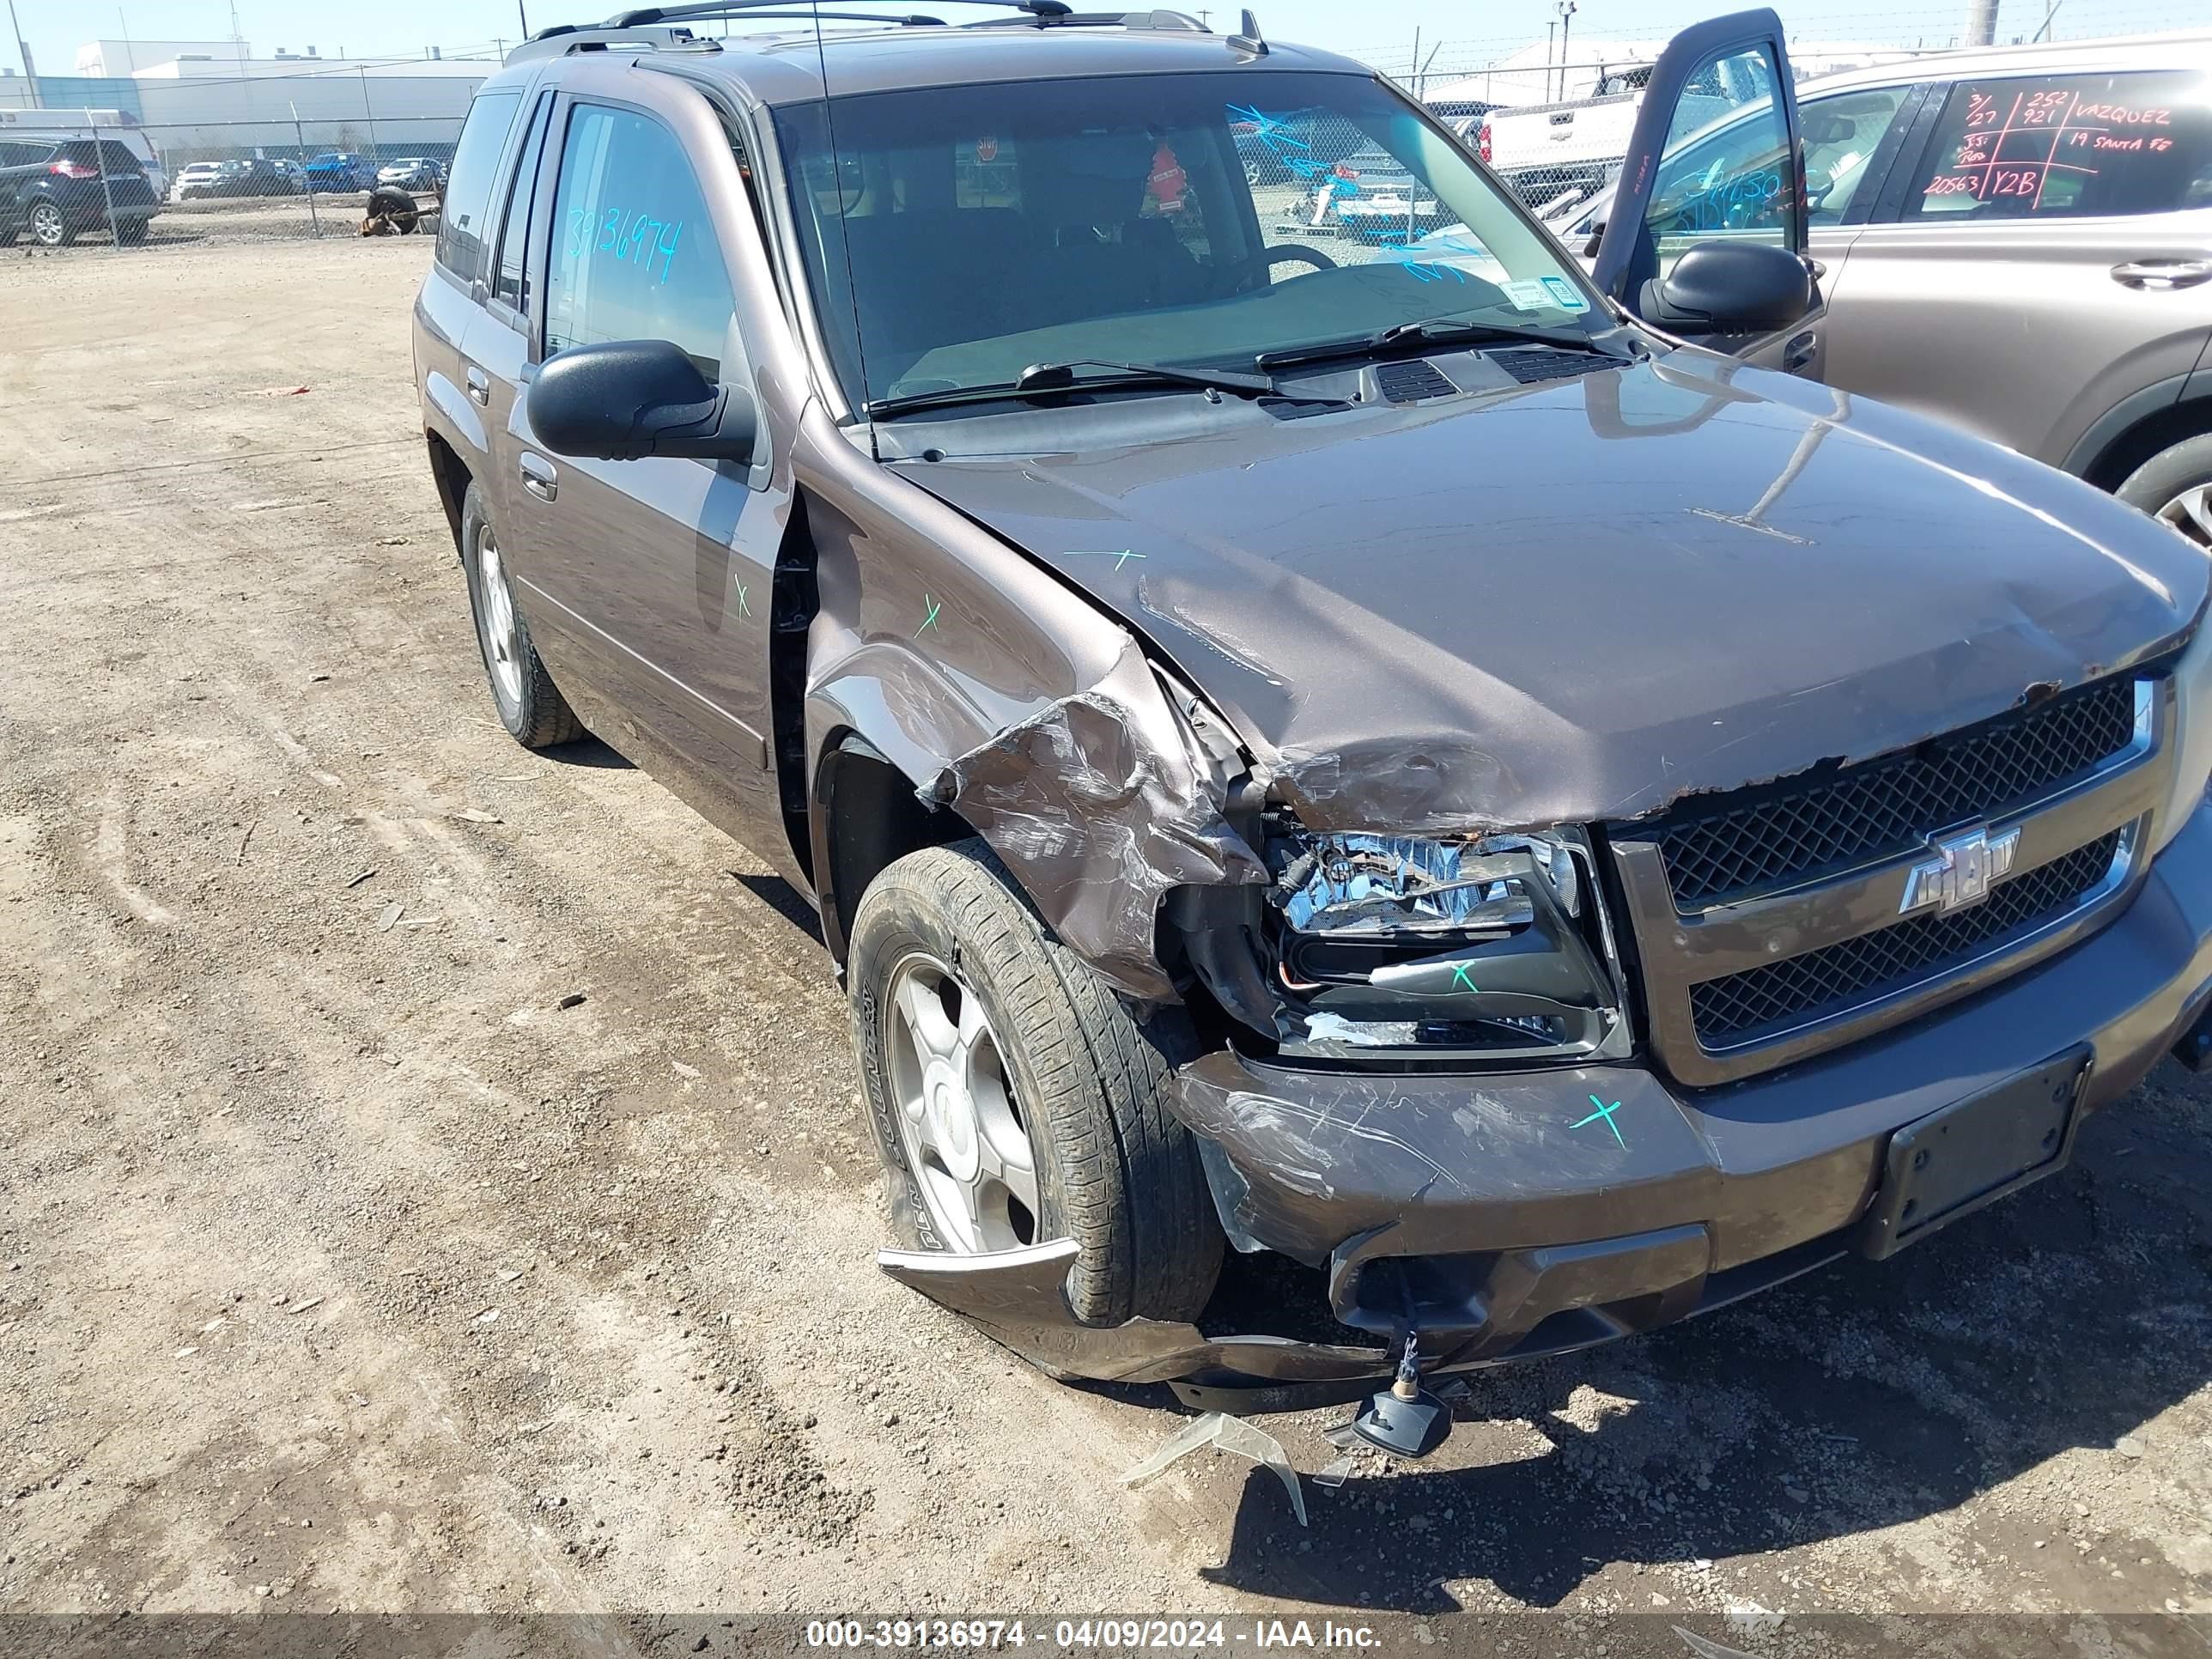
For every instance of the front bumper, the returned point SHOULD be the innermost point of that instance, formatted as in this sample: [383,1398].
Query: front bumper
[1506,1214]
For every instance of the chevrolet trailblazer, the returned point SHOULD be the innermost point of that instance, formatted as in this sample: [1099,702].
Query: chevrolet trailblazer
[1371,745]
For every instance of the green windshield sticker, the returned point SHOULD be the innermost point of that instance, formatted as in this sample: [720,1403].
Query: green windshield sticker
[1565,295]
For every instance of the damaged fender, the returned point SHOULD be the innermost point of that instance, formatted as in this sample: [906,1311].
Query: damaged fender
[1102,802]
[1004,696]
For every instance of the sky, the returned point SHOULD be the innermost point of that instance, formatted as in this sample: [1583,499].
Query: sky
[1464,35]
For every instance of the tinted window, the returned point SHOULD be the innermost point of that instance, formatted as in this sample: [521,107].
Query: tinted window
[468,191]
[632,255]
[2062,146]
[113,157]
[992,226]
[1730,184]
[513,284]
[18,154]
[1841,133]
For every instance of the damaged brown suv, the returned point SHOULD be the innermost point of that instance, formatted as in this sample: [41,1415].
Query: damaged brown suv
[1330,731]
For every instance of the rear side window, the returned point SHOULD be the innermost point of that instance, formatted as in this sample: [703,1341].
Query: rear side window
[468,187]
[2068,146]
[633,254]
[113,157]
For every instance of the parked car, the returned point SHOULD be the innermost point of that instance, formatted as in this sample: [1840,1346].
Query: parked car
[239,177]
[53,193]
[1538,821]
[192,180]
[412,172]
[1934,275]
[117,126]
[337,171]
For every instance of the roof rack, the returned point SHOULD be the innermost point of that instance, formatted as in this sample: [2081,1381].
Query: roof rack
[1174,20]
[658,28]
[1042,10]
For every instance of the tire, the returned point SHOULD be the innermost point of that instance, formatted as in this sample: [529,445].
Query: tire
[2175,485]
[531,707]
[48,227]
[1083,1082]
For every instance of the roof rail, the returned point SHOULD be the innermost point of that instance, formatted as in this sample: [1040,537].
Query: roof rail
[564,38]
[1176,21]
[649,16]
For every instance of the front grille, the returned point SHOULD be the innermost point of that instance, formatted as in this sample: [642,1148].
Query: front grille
[1889,806]
[1858,970]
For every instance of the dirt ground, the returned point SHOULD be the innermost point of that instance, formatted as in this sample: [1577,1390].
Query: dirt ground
[433,1178]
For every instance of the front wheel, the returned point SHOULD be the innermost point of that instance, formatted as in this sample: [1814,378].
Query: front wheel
[1015,1099]
[2175,486]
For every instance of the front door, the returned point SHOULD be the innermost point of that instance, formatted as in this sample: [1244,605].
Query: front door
[1718,157]
[647,582]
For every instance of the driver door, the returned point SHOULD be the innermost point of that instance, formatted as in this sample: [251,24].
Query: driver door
[1717,156]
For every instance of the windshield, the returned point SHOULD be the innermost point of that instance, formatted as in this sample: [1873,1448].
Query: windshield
[962,233]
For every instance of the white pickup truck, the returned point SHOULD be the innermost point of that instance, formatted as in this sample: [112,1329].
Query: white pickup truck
[1555,154]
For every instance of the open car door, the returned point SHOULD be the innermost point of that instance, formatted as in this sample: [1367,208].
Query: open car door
[1706,238]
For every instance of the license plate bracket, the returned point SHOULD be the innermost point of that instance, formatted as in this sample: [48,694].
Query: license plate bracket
[1974,1152]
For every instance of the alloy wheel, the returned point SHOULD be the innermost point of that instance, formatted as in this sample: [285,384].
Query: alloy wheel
[502,641]
[960,1124]
[48,227]
[2191,512]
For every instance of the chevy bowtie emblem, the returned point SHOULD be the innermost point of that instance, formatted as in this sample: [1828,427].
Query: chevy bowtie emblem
[1961,872]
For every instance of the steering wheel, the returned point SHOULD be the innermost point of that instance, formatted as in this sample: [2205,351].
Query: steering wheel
[1268,258]
[1253,273]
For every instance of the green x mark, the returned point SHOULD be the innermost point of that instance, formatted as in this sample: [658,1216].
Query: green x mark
[1460,978]
[743,609]
[1605,1112]
[1119,556]
[930,620]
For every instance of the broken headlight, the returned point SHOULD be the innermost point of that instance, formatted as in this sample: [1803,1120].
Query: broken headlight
[1494,949]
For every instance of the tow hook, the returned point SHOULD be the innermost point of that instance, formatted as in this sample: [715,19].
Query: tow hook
[2195,1050]
[1405,1419]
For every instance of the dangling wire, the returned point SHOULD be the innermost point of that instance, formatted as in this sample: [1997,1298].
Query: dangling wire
[844,241]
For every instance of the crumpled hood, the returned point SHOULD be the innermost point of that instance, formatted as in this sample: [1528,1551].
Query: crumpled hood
[1584,599]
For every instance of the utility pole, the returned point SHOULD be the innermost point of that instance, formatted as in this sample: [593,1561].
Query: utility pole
[1981,23]
[1550,34]
[1566,17]
[30,70]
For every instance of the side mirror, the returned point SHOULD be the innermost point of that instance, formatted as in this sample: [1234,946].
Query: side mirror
[628,399]
[1730,288]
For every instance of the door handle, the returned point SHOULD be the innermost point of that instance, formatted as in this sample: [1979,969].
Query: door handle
[539,477]
[2162,273]
[1800,352]
[479,385]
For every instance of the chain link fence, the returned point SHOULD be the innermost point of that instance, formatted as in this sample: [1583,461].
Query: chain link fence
[269,158]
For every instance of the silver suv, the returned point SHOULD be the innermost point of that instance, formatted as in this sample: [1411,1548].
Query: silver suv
[2018,241]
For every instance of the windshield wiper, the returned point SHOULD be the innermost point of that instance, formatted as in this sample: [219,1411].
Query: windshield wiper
[1415,336]
[1056,379]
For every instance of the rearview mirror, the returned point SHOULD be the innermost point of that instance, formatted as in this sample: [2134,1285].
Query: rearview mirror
[1730,288]
[628,399]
